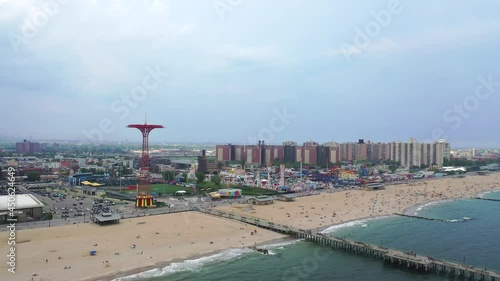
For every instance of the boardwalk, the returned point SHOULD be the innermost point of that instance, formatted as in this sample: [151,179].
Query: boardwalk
[395,257]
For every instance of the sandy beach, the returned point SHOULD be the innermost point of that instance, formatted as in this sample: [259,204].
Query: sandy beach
[161,239]
[326,209]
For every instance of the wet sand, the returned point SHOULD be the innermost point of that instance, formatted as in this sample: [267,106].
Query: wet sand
[175,237]
[326,209]
[162,239]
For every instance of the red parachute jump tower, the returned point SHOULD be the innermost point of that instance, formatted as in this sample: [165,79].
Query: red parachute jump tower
[144,197]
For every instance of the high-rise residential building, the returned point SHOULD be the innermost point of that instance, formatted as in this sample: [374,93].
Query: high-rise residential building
[333,152]
[229,152]
[202,162]
[253,154]
[361,151]
[378,152]
[289,152]
[414,153]
[223,152]
[408,154]
[27,147]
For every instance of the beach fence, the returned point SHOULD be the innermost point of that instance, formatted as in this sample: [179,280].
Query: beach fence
[394,257]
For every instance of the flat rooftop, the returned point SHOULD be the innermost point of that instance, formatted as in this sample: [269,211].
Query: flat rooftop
[182,162]
[23,201]
[107,218]
[287,195]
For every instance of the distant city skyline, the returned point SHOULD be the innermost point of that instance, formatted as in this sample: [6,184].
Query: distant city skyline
[14,140]
[239,71]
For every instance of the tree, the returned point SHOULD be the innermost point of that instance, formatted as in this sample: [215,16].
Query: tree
[278,161]
[49,216]
[200,177]
[84,170]
[33,176]
[184,177]
[168,175]
[393,168]
[414,169]
[216,180]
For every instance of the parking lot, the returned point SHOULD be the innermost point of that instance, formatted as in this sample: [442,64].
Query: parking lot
[70,207]
[67,205]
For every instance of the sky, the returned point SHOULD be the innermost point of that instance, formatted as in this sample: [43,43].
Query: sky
[238,71]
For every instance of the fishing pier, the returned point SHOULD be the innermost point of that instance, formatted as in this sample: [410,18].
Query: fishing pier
[391,256]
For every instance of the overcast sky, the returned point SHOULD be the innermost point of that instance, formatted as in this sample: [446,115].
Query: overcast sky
[239,70]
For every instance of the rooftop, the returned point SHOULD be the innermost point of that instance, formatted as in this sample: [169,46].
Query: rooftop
[261,198]
[288,195]
[22,201]
[107,217]
[182,162]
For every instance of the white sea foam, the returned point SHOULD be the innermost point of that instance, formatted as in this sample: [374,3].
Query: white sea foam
[281,245]
[483,194]
[362,222]
[188,265]
[426,205]
[460,220]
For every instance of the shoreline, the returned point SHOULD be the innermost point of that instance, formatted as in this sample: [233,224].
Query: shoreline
[411,210]
[407,211]
[137,270]
[356,220]
[128,273]
[230,238]
[159,241]
[482,194]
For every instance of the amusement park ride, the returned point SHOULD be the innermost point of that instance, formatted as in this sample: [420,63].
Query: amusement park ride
[144,191]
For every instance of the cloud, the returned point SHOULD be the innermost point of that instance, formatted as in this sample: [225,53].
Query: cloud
[15,9]
[433,40]
[160,6]
[250,53]
[228,56]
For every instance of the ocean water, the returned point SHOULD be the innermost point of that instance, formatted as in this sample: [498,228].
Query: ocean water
[471,235]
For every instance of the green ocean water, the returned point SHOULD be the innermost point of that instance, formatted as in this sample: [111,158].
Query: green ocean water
[472,236]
